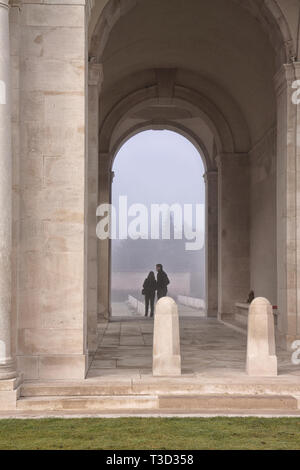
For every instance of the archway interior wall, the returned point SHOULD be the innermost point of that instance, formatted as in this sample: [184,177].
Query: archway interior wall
[263,216]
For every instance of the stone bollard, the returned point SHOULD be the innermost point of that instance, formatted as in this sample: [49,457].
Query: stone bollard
[261,350]
[166,340]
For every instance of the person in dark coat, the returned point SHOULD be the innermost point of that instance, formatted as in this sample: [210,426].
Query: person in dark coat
[149,288]
[162,282]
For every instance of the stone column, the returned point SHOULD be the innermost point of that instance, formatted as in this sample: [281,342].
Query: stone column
[52,259]
[95,82]
[288,203]
[211,242]
[7,364]
[234,239]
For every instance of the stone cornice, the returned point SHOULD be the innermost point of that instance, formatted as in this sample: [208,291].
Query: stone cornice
[95,74]
[210,175]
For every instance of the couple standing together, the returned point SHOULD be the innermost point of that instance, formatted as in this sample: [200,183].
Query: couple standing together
[151,285]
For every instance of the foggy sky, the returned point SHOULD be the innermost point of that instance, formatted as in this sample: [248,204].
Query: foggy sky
[159,167]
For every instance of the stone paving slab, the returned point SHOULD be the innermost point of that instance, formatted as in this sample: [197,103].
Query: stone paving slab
[208,347]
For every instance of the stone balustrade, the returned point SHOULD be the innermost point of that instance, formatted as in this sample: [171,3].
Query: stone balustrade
[138,306]
[198,304]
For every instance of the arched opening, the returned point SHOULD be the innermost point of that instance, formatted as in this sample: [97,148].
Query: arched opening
[158,183]
[217,89]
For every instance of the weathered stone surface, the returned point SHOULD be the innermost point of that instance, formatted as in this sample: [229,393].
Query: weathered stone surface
[261,352]
[7,364]
[166,340]
[60,277]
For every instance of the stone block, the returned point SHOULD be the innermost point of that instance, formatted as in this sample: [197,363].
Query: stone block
[261,351]
[166,339]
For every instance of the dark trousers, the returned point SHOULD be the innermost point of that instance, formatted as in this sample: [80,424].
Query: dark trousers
[162,292]
[149,300]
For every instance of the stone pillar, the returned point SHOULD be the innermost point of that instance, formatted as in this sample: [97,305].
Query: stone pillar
[104,246]
[166,339]
[211,242]
[261,351]
[95,82]
[52,260]
[288,203]
[7,363]
[233,239]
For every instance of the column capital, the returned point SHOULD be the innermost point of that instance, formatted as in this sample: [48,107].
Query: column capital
[210,175]
[95,74]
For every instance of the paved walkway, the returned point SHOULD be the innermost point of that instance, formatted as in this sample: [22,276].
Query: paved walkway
[122,309]
[208,348]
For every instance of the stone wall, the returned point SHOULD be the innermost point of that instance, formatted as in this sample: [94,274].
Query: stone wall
[263,262]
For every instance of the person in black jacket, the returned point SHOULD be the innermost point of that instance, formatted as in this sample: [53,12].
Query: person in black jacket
[162,282]
[149,288]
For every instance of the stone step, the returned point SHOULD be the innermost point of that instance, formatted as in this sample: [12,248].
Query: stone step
[151,386]
[98,403]
[109,388]
[220,402]
[229,402]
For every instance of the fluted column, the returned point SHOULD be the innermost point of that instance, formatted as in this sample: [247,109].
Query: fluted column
[7,364]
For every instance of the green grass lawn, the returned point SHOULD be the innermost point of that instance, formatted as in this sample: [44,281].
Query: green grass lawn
[148,434]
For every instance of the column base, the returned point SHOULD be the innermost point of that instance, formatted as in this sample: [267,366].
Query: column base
[103,317]
[212,313]
[9,393]
[260,366]
[166,365]
[8,370]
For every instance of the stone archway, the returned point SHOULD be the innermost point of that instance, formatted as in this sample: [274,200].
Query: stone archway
[235,64]
[110,141]
[117,128]
[105,14]
[237,140]
[142,168]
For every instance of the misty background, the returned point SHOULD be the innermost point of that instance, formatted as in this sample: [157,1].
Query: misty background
[157,167]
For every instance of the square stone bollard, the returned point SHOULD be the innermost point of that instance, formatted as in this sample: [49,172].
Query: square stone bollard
[166,340]
[261,350]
